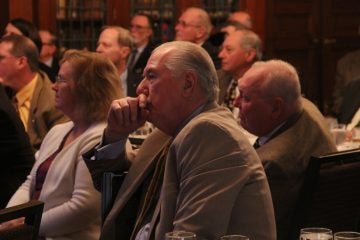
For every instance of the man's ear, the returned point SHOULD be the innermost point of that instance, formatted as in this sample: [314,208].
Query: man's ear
[125,51]
[250,55]
[189,83]
[22,61]
[277,107]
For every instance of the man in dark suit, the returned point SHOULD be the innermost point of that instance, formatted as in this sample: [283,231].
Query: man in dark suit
[49,54]
[290,130]
[194,25]
[180,178]
[116,43]
[15,150]
[31,88]
[141,29]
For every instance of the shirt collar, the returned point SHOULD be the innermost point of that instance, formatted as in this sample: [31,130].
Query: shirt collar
[26,93]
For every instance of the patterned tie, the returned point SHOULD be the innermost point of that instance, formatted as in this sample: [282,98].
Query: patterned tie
[231,95]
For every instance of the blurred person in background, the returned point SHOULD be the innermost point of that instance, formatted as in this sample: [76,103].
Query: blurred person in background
[49,54]
[116,44]
[194,25]
[24,27]
[30,88]
[141,29]
[86,86]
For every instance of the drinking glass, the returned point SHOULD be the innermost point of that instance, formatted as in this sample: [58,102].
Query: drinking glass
[339,133]
[234,237]
[316,234]
[180,235]
[347,236]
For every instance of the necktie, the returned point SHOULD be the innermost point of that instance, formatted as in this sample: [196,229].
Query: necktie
[152,190]
[132,59]
[231,95]
[256,144]
[14,102]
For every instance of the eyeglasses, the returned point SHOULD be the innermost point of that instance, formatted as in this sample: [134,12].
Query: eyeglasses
[60,79]
[138,27]
[185,25]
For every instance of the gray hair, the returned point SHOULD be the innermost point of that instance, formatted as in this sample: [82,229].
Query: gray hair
[251,40]
[281,79]
[123,36]
[202,19]
[187,56]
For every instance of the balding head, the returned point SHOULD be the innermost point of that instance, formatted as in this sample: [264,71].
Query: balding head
[194,25]
[242,17]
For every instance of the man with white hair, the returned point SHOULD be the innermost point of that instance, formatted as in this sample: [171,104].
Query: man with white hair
[290,130]
[196,171]
[194,25]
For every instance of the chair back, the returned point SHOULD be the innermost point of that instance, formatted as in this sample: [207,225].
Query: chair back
[330,195]
[31,211]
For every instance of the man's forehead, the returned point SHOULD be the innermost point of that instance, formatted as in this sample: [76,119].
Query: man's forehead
[252,78]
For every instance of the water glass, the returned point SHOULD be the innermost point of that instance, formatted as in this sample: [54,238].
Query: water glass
[180,235]
[347,236]
[339,133]
[316,234]
[234,237]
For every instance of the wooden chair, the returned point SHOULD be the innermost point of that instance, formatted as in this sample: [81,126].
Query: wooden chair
[31,211]
[330,195]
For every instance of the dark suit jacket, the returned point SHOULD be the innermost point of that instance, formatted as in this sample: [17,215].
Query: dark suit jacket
[213,52]
[209,188]
[43,114]
[132,80]
[15,150]
[286,155]
[143,58]
[50,72]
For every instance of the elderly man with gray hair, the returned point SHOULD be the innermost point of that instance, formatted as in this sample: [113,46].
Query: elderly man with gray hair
[290,130]
[196,172]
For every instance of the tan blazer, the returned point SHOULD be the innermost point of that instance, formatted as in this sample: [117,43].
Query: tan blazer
[286,156]
[214,183]
[43,114]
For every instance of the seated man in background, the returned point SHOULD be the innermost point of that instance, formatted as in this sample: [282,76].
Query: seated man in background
[239,51]
[49,54]
[141,29]
[33,97]
[194,25]
[15,150]
[26,28]
[116,43]
[180,178]
[241,17]
[347,71]
[290,130]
